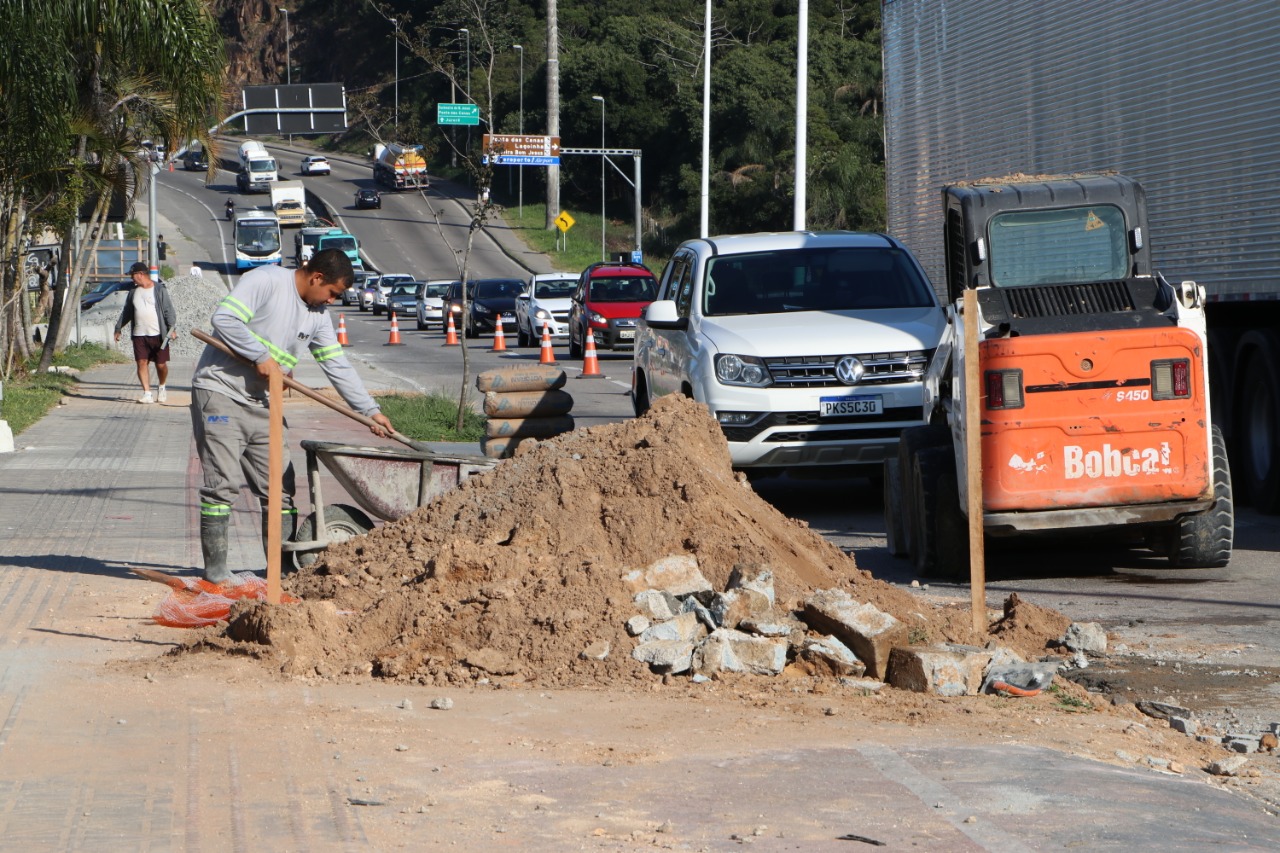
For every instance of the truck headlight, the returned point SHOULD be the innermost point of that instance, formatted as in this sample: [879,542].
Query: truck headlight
[742,370]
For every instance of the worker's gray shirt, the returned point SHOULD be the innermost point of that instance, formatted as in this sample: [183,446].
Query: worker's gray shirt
[263,317]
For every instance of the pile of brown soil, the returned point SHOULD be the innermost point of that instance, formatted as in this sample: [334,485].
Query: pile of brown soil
[515,573]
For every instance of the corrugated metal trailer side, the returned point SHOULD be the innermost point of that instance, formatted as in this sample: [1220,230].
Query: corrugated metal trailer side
[1182,95]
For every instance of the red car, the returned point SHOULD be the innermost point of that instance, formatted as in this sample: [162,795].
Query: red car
[608,301]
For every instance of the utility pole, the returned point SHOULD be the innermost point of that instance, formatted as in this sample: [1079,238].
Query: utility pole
[553,111]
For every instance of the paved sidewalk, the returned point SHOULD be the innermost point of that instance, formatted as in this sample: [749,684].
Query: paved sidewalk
[104,745]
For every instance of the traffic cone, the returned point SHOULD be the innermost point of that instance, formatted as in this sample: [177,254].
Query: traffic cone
[590,365]
[451,334]
[499,337]
[342,331]
[548,355]
[394,340]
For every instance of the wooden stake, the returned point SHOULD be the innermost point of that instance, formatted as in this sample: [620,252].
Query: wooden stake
[973,463]
[275,480]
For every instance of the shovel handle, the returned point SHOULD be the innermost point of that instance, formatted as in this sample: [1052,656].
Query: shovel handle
[290,382]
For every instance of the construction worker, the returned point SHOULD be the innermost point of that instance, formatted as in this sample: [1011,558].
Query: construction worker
[270,316]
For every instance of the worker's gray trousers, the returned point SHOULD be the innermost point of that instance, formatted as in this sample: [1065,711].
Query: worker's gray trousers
[233,443]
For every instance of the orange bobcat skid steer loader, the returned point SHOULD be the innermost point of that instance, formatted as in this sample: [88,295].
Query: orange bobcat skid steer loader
[1095,401]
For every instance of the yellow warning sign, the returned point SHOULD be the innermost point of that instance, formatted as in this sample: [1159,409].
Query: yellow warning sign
[564,221]
[1092,222]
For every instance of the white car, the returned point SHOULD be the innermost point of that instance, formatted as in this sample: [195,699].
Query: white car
[315,165]
[810,349]
[385,283]
[430,307]
[546,300]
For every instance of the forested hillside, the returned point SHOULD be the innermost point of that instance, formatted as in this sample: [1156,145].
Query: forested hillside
[644,59]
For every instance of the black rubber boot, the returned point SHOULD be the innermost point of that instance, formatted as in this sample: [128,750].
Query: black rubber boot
[213,544]
[288,530]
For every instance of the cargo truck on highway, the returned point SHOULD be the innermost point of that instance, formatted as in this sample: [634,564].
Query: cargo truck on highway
[257,168]
[399,166]
[289,200]
[1182,96]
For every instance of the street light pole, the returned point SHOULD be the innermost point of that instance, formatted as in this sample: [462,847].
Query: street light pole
[288,66]
[466,32]
[521,197]
[600,98]
[396,21]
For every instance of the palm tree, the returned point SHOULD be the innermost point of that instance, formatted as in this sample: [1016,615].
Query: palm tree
[82,82]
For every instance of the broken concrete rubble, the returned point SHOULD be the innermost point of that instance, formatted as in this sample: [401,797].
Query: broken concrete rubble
[870,632]
[1086,637]
[727,650]
[686,628]
[657,605]
[943,670]
[673,656]
[677,574]
[831,654]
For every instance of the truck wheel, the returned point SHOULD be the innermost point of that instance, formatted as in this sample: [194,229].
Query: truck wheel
[928,470]
[341,522]
[1204,540]
[894,530]
[951,526]
[910,442]
[1257,424]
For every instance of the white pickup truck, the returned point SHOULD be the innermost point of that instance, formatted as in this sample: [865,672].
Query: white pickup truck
[809,348]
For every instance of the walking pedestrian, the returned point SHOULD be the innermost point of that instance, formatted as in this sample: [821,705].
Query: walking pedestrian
[268,319]
[162,248]
[149,311]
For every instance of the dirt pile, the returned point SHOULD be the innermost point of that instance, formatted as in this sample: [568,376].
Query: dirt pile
[517,573]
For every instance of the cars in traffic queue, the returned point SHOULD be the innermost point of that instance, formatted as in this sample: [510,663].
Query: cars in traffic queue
[430,302]
[488,302]
[403,299]
[607,302]
[101,291]
[545,301]
[367,198]
[809,348]
[369,290]
[314,165]
[385,284]
[351,296]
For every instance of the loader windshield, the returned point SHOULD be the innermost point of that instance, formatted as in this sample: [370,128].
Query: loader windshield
[1069,246]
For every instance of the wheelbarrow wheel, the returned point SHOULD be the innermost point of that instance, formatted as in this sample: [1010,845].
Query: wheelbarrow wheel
[341,522]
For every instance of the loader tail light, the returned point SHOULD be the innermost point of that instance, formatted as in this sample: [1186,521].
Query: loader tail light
[1171,380]
[1004,389]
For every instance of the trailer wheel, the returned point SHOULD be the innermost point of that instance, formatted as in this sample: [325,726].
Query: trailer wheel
[894,530]
[1257,424]
[1204,540]
[910,442]
[341,522]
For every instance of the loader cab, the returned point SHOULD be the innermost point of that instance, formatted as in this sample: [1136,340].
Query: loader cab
[1060,254]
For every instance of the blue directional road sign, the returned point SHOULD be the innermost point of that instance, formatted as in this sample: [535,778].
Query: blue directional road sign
[522,160]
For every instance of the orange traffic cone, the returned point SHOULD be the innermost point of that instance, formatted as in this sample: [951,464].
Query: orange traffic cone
[170,165]
[499,337]
[342,331]
[394,340]
[590,365]
[451,334]
[548,355]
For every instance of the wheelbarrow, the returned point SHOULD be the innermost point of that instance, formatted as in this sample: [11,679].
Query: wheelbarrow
[386,482]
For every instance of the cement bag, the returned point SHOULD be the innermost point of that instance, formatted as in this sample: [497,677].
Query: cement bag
[526,377]
[527,404]
[503,448]
[528,427]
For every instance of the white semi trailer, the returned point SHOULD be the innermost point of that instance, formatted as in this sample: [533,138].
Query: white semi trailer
[1183,96]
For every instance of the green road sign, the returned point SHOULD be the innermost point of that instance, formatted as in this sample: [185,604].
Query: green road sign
[457,114]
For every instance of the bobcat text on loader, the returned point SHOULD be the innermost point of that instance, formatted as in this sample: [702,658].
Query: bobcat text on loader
[1094,382]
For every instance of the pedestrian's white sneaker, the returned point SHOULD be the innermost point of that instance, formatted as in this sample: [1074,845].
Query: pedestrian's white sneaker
[162,396]
[146,398]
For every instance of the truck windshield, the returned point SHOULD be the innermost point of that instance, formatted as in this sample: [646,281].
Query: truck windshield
[1070,246]
[346,244]
[262,165]
[835,279]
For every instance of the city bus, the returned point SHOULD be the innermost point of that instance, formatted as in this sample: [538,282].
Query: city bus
[257,239]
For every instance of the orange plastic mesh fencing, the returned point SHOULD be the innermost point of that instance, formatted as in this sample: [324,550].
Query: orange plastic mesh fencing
[194,602]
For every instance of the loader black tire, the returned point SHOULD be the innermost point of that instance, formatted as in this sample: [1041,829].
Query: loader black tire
[910,442]
[1204,540]
[1255,434]
[894,531]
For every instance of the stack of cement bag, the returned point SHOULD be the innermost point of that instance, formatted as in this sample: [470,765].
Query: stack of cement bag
[523,403]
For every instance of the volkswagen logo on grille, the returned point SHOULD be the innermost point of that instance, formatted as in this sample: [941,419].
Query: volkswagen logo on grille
[849,370]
